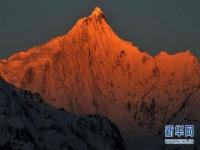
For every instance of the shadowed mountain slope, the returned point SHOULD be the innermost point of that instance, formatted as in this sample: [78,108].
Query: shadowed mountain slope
[28,124]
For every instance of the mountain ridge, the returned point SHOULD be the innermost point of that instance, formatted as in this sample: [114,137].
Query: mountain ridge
[96,13]
[26,123]
[92,70]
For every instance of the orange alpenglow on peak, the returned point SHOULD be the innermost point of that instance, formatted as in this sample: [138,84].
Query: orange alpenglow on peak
[97,15]
[91,70]
[96,30]
[97,11]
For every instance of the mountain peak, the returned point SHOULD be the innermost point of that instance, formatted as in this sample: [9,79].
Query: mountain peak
[90,25]
[97,12]
[96,15]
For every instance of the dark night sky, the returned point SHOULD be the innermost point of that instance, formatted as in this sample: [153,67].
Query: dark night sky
[153,25]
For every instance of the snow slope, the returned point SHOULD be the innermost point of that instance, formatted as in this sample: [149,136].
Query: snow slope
[26,123]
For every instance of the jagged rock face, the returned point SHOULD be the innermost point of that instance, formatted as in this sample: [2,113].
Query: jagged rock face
[28,124]
[91,70]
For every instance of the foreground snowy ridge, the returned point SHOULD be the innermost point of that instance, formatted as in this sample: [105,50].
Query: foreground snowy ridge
[28,124]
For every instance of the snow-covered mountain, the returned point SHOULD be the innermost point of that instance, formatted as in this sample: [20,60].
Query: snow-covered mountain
[26,123]
[92,70]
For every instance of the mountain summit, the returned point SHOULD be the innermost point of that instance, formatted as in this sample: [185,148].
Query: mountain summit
[94,30]
[97,12]
[92,70]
